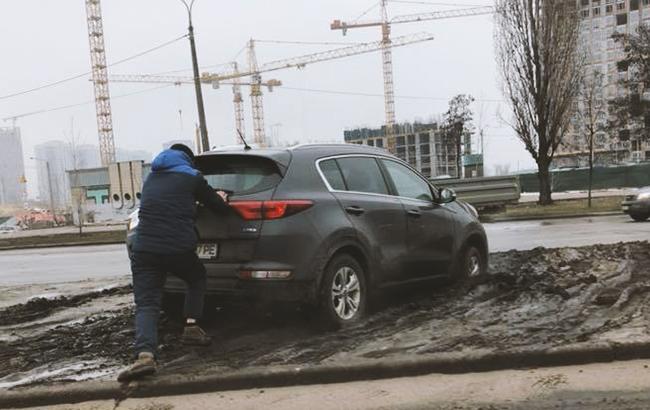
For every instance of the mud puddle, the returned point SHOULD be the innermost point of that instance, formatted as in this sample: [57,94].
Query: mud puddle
[536,298]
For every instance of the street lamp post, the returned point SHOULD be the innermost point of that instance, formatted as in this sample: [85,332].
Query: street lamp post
[205,142]
[49,185]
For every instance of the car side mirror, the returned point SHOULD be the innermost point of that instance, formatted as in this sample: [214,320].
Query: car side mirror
[447,195]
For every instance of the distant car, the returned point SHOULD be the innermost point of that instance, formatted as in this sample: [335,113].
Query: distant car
[326,224]
[638,205]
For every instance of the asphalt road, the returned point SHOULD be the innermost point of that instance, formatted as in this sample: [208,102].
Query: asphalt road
[64,264]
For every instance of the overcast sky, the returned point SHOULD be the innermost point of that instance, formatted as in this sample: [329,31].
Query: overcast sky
[42,41]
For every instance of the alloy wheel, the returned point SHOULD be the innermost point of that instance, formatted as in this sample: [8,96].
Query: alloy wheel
[346,293]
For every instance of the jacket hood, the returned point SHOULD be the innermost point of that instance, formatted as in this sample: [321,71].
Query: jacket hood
[171,160]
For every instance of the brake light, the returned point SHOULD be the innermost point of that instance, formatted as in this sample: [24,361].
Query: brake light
[256,210]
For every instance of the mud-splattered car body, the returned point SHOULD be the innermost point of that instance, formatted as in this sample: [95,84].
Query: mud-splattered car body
[638,205]
[300,211]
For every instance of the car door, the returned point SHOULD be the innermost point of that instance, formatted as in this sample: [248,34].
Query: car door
[379,218]
[430,226]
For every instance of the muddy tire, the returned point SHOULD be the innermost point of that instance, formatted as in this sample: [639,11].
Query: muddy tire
[471,264]
[344,293]
[639,217]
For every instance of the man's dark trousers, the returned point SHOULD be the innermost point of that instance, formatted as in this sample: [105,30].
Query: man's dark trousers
[149,273]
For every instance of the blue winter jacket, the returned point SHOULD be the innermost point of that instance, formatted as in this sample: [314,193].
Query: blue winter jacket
[168,205]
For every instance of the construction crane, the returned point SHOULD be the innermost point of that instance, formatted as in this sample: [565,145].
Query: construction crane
[255,70]
[387,56]
[238,102]
[100,82]
[236,83]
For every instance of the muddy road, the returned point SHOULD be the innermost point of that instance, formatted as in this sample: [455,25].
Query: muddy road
[535,298]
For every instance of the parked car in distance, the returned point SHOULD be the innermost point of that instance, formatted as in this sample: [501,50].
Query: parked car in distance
[326,224]
[638,205]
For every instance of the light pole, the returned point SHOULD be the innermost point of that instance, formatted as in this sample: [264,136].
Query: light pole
[205,142]
[49,185]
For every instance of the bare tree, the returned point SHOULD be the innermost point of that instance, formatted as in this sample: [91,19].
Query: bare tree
[541,65]
[457,126]
[591,115]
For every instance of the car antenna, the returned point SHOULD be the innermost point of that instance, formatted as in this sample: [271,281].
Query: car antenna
[246,146]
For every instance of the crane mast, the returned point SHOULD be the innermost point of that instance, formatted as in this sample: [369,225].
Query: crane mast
[389,89]
[257,109]
[238,103]
[100,82]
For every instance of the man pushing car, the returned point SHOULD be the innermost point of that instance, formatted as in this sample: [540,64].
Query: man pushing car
[165,242]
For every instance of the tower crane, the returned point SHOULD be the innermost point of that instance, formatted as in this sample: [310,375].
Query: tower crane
[387,56]
[100,81]
[254,71]
[238,101]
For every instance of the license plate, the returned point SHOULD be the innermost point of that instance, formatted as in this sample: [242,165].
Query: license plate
[207,250]
[626,207]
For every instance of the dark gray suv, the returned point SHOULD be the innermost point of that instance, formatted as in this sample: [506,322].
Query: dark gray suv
[326,224]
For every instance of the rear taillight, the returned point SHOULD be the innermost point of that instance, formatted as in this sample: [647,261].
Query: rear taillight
[256,210]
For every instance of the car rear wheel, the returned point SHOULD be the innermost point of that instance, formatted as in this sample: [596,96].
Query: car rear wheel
[472,263]
[640,217]
[344,292]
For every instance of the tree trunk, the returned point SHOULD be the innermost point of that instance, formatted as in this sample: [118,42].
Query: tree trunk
[459,162]
[591,169]
[544,177]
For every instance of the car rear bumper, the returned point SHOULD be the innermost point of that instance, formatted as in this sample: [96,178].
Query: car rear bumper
[635,207]
[223,280]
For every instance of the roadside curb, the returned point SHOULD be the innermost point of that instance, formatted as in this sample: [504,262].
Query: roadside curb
[62,244]
[454,363]
[488,219]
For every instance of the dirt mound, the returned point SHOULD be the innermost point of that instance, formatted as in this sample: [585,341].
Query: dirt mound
[536,298]
[38,308]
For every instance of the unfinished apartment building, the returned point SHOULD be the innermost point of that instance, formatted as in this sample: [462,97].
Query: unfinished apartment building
[423,146]
[601,19]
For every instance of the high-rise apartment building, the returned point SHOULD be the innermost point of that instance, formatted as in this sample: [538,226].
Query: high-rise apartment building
[601,19]
[12,167]
[423,146]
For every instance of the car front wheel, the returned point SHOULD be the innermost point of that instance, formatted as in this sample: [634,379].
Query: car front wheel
[472,263]
[344,292]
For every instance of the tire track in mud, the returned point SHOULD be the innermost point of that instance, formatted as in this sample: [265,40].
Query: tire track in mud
[536,298]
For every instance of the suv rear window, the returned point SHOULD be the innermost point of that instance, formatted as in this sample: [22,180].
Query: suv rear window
[240,174]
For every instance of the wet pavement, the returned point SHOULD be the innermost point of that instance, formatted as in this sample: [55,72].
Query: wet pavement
[535,298]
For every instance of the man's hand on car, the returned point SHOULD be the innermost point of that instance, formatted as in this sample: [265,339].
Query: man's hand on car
[223,195]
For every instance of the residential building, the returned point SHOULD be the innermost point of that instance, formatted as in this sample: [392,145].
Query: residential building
[12,167]
[423,146]
[601,19]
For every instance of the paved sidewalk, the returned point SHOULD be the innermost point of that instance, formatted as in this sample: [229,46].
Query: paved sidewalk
[617,385]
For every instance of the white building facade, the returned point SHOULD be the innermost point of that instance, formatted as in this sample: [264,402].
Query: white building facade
[12,167]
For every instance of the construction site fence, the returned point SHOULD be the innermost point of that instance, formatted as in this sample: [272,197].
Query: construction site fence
[628,176]
[484,192]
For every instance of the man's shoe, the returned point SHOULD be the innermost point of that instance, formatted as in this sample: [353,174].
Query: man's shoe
[143,366]
[195,336]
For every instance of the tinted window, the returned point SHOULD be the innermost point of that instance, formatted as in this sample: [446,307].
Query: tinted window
[239,174]
[407,182]
[332,174]
[362,174]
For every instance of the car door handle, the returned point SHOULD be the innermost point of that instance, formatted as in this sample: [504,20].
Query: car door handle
[414,213]
[354,210]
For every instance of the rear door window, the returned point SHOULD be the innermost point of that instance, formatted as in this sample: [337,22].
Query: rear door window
[362,174]
[332,174]
[240,174]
